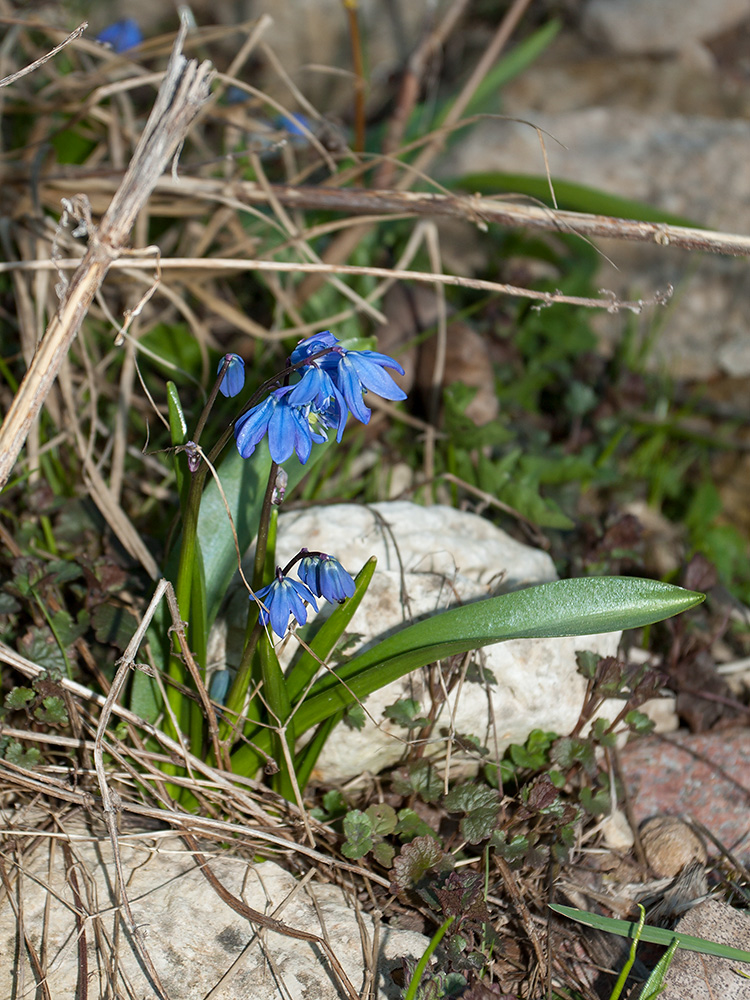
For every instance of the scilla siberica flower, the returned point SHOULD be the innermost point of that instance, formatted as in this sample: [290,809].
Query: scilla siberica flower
[234,380]
[326,577]
[331,386]
[284,597]
[122,35]
[288,428]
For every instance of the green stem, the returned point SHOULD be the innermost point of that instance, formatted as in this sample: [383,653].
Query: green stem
[261,544]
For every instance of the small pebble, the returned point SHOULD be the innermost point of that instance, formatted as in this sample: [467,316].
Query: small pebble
[669,844]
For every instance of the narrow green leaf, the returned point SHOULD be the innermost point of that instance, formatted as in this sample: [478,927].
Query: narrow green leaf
[243,481]
[655,984]
[654,935]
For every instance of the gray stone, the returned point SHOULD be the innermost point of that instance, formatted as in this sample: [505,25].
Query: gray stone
[658,26]
[198,944]
[690,166]
[704,977]
[430,559]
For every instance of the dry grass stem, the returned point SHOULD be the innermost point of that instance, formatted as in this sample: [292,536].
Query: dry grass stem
[183,91]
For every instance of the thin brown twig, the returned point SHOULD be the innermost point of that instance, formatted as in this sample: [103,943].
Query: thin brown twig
[476,209]
[6,81]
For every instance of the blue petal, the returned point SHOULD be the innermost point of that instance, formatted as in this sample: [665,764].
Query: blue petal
[302,435]
[311,345]
[282,432]
[372,376]
[251,427]
[335,583]
[350,386]
[298,593]
[315,385]
[380,359]
[122,35]
[307,571]
[234,380]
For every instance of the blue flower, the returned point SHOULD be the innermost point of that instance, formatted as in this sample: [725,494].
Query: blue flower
[313,345]
[284,597]
[326,577]
[318,390]
[353,373]
[358,372]
[234,379]
[122,35]
[287,426]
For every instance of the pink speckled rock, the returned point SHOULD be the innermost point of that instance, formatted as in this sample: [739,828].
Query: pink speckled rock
[706,776]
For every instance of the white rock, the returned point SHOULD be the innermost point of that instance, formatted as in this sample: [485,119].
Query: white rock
[197,943]
[437,557]
[637,26]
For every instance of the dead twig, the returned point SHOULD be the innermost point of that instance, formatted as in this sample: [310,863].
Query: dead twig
[6,81]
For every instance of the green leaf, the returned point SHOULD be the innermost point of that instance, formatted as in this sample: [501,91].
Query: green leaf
[52,711]
[405,713]
[584,606]
[655,984]
[468,797]
[16,754]
[18,697]
[568,607]
[419,777]
[654,935]
[411,824]
[383,854]
[114,626]
[479,824]
[383,818]
[359,834]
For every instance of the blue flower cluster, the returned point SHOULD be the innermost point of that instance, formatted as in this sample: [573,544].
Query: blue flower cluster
[321,576]
[330,387]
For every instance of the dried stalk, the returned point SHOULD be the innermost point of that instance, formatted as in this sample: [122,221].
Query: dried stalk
[184,90]
[481,211]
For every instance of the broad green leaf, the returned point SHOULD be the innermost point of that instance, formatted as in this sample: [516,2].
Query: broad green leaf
[585,606]
[654,935]
[359,834]
[243,481]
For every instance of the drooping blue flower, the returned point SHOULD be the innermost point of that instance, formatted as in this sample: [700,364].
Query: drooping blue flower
[284,597]
[326,577]
[122,35]
[234,380]
[287,426]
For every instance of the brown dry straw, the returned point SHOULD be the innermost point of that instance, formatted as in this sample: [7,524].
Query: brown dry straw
[183,91]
